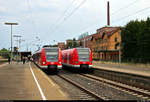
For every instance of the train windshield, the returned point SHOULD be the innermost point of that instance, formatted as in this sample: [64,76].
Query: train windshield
[83,54]
[52,54]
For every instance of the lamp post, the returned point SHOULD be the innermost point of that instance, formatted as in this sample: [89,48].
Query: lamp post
[11,36]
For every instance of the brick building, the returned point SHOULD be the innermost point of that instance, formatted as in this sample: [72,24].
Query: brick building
[105,43]
[67,42]
[61,45]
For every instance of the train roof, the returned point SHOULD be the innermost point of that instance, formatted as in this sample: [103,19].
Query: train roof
[78,48]
[81,48]
[39,51]
[50,47]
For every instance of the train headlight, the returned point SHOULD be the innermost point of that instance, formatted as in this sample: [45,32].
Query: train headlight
[59,62]
[44,63]
[77,62]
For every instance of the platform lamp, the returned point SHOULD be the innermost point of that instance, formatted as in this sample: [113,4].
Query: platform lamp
[11,36]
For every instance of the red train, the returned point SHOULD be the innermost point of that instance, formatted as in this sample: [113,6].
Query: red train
[49,58]
[77,58]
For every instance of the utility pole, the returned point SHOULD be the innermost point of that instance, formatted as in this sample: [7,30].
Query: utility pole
[20,40]
[11,38]
[27,47]
[17,36]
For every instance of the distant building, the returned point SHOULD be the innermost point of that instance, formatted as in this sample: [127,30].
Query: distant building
[67,43]
[61,45]
[85,42]
[25,53]
[69,40]
[106,43]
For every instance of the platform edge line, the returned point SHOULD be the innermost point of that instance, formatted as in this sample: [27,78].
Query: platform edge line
[41,92]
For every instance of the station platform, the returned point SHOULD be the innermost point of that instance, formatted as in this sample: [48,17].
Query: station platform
[131,69]
[26,82]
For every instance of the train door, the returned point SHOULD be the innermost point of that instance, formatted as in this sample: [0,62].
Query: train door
[67,58]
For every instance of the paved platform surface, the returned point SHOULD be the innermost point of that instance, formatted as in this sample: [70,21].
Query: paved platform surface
[137,70]
[17,82]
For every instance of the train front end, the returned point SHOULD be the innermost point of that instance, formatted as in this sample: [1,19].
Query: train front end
[51,58]
[83,58]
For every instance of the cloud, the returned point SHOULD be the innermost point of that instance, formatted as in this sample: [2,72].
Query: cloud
[39,17]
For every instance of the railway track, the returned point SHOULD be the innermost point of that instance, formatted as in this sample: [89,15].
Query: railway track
[139,81]
[100,90]
[96,96]
[71,90]
[144,94]
[95,86]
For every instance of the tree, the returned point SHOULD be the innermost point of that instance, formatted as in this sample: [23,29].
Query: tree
[136,41]
[80,43]
[69,45]
[4,53]
[74,43]
[83,35]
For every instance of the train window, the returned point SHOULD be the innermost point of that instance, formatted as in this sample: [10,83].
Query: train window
[52,54]
[83,54]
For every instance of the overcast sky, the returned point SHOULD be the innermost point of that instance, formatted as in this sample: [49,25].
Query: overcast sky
[63,19]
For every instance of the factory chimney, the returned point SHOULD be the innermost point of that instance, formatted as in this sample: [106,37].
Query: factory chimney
[108,14]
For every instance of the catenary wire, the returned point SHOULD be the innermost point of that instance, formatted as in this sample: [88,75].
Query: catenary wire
[69,15]
[125,7]
[131,14]
[31,16]
[64,13]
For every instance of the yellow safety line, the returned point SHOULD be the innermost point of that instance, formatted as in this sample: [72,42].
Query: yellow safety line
[50,81]
[46,77]
[61,92]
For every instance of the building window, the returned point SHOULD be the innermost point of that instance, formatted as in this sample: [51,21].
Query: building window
[115,39]
[116,46]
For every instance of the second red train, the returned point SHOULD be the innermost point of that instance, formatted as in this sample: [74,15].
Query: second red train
[77,58]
